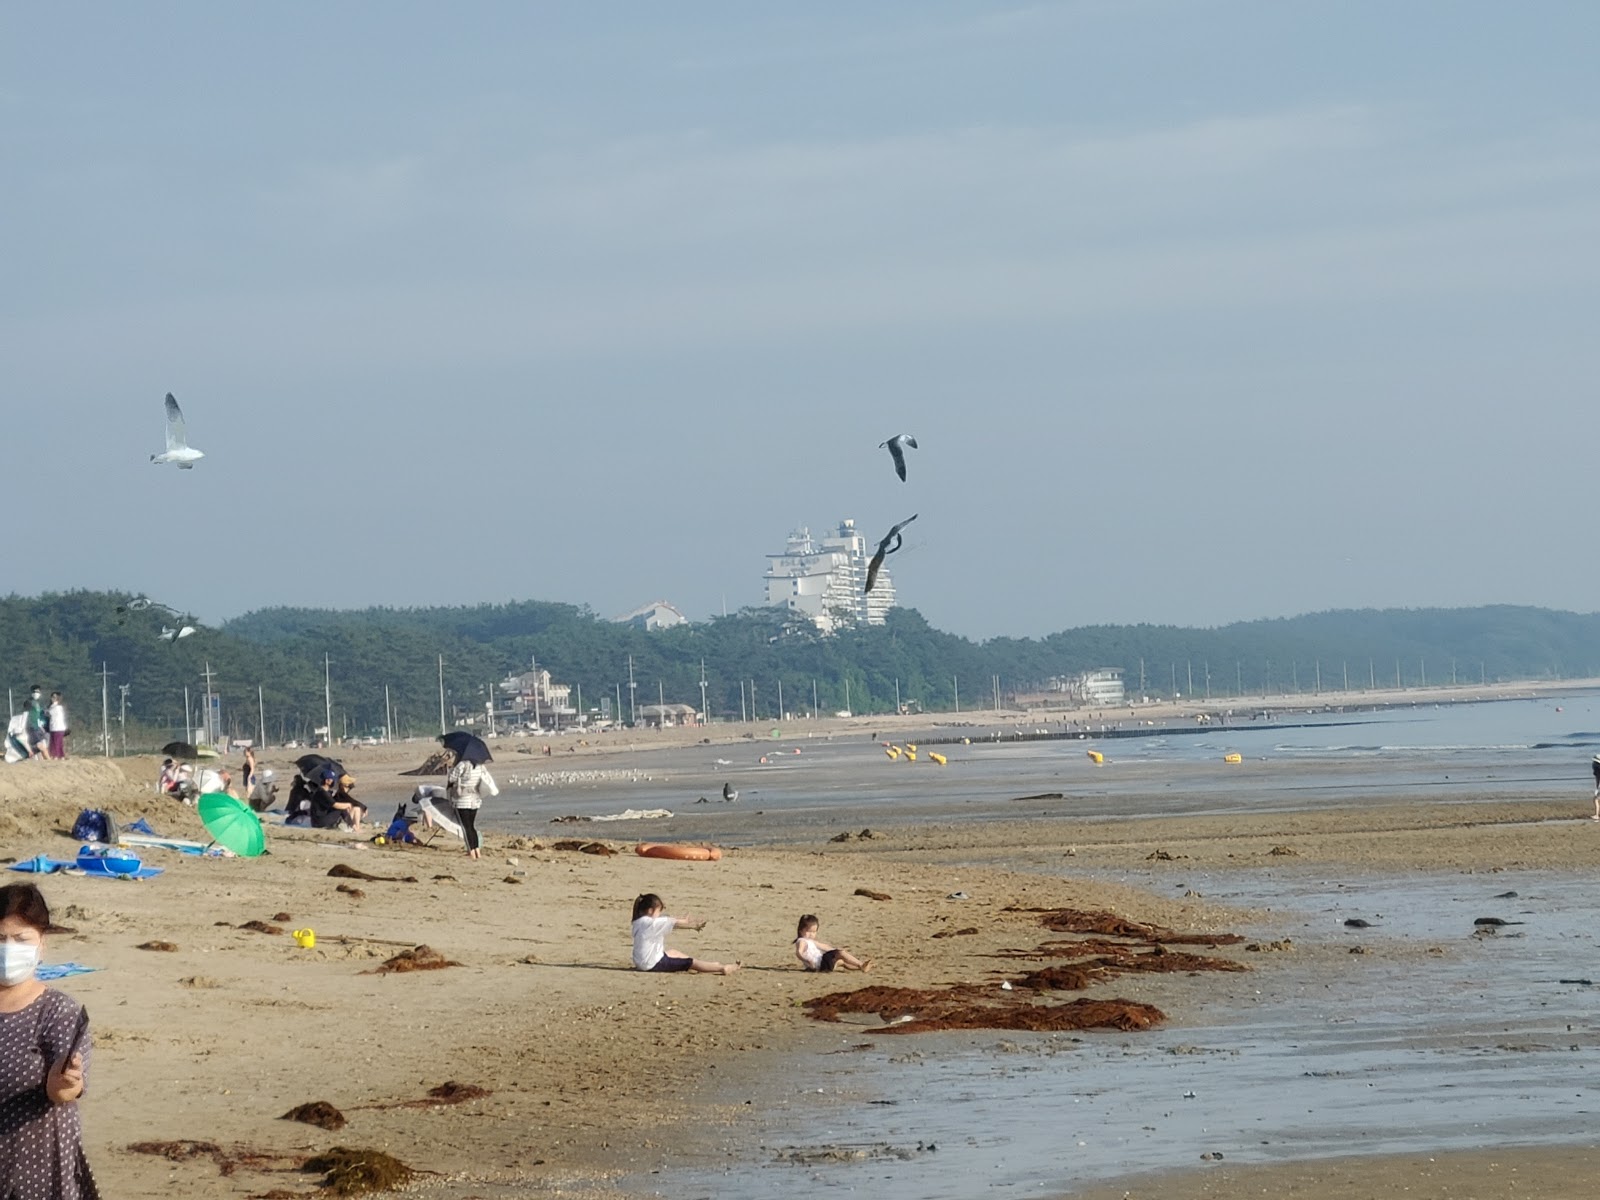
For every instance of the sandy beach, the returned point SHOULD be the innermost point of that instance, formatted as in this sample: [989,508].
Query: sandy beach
[582,1076]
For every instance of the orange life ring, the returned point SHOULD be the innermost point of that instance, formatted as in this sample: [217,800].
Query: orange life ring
[684,853]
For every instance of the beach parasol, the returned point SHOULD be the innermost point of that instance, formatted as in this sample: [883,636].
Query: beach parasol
[180,750]
[312,765]
[232,823]
[468,747]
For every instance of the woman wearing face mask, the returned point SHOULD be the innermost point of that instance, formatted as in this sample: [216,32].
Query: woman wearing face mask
[44,1059]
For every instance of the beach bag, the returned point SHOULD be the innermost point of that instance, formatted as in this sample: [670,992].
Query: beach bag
[92,825]
[486,784]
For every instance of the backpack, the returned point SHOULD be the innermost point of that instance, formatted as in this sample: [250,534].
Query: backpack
[92,825]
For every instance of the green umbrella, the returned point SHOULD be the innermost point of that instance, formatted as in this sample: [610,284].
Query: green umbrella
[232,823]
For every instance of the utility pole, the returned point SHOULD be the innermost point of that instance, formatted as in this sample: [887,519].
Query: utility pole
[188,725]
[955,681]
[441,695]
[105,708]
[122,715]
[1319,677]
[538,717]
[1423,664]
[633,716]
[847,707]
[1238,678]
[1188,666]
[1346,667]
[897,695]
[705,717]
[261,714]
[744,714]
[211,733]
[327,695]
[388,718]
[753,715]
[780,699]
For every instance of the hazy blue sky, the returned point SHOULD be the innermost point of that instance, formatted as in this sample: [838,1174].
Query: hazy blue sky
[1200,310]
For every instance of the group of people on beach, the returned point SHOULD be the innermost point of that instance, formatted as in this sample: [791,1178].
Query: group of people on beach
[40,730]
[651,925]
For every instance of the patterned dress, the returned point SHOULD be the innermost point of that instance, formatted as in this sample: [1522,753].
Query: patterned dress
[41,1144]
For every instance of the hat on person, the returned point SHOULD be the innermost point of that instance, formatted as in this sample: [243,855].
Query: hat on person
[347,782]
[327,776]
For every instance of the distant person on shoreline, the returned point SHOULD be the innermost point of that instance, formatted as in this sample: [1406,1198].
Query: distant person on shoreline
[56,715]
[1596,765]
[650,928]
[816,955]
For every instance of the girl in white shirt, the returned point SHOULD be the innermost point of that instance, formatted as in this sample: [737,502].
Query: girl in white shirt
[819,956]
[650,929]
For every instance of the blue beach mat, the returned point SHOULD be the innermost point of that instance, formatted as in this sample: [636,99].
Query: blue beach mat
[43,865]
[45,972]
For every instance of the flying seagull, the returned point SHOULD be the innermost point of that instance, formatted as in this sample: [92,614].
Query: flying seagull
[178,449]
[169,634]
[897,451]
[885,549]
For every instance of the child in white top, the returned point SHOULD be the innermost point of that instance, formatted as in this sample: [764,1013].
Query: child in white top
[650,929]
[819,956]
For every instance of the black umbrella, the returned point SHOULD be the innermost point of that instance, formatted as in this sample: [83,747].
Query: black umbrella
[468,747]
[180,750]
[312,765]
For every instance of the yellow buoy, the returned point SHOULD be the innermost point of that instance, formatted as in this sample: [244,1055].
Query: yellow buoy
[1096,757]
[1233,758]
[911,746]
[911,756]
[892,751]
[938,758]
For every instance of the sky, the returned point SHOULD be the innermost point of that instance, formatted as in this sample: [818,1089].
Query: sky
[1200,310]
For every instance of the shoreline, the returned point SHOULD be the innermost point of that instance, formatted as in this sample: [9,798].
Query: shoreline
[214,1040]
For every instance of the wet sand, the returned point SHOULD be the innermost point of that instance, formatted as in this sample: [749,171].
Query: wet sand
[596,1074]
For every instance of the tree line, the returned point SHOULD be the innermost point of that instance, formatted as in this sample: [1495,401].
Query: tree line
[271,663]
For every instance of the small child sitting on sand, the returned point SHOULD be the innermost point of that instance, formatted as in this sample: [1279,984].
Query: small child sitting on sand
[819,956]
[650,929]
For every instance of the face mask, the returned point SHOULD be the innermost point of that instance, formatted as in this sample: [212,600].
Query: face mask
[17,961]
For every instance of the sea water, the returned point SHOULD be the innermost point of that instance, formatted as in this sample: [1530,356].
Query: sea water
[1445,1039]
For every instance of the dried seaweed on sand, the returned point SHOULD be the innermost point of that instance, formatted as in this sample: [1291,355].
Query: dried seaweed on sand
[356,1172]
[968,1006]
[418,958]
[341,871]
[316,1112]
[1072,920]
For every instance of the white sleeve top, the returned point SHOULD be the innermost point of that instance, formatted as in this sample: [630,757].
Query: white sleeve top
[650,940]
[810,953]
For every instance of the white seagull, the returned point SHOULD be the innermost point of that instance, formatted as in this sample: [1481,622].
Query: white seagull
[178,448]
[897,451]
[169,634]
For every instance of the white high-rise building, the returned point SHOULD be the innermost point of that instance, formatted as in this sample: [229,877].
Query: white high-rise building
[823,578]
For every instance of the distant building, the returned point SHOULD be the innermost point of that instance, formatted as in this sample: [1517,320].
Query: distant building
[532,699]
[825,579]
[1101,686]
[658,614]
[665,716]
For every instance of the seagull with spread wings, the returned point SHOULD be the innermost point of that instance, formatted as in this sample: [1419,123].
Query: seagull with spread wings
[178,449]
[897,451]
[885,549]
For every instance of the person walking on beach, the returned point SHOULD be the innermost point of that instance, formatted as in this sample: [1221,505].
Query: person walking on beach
[1596,766]
[56,716]
[465,786]
[816,955]
[650,928]
[44,1063]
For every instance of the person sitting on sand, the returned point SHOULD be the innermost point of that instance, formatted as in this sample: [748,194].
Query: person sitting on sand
[167,781]
[332,805]
[819,956]
[650,929]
